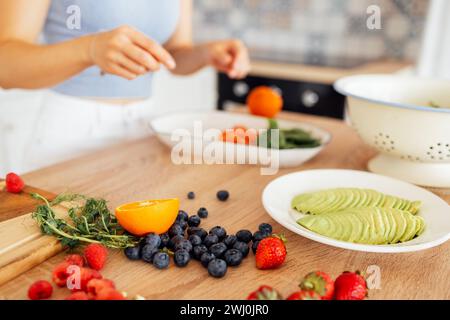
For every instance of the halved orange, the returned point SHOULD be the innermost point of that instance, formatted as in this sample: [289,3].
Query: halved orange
[141,218]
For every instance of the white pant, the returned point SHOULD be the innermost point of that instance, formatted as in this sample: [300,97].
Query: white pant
[43,128]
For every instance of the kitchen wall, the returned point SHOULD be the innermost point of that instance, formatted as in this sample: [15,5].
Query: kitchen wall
[312,31]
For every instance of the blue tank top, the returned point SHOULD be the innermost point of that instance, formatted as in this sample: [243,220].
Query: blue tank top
[68,19]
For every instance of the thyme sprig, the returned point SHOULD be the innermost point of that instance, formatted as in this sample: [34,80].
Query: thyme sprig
[91,222]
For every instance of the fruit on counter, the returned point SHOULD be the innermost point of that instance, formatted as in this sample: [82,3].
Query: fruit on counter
[79,295]
[14,183]
[87,275]
[239,135]
[183,244]
[140,218]
[161,260]
[96,255]
[375,226]
[94,286]
[194,221]
[265,228]
[176,229]
[220,232]
[218,249]
[259,235]
[319,282]
[191,195]
[335,200]
[90,221]
[210,240]
[202,213]
[182,216]
[206,258]
[265,293]
[350,286]
[195,240]
[181,258]
[148,252]
[60,274]
[223,195]
[264,101]
[271,252]
[217,268]
[230,240]
[133,253]
[198,231]
[109,294]
[255,245]
[75,259]
[152,239]
[242,247]
[304,295]
[198,251]
[40,290]
[244,236]
[233,257]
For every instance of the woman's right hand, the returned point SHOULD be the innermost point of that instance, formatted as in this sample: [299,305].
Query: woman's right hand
[127,53]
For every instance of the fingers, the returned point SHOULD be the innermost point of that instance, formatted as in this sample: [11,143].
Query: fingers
[241,61]
[141,57]
[122,72]
[156,50]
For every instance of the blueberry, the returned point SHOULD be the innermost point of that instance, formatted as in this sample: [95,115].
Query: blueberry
[181,258]
[217,268]
[161,260]
[195,240]
[233,257]
[198,231]
[218,249]
[210,239]
[174,240]
[152,240]
[223,195]
[242,247]
[259,235]
[182,216]
[176,229]
[230,240]
[183,224]
[133,253]
[219,232]
[202,213]
[183,245]
[165,238]
[148,252]
[206,258]
[191,195]
[244,236]
[265,228]
[255,246]
[194,221]
[198,251]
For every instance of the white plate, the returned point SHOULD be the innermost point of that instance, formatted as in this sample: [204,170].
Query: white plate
[278,194]
[164,126]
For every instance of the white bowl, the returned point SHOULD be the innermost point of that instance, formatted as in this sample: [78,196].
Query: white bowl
[278,194]
[165,126]
[391,114]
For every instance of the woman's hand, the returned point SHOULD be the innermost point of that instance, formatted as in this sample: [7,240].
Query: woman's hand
[230,57]
[127,53]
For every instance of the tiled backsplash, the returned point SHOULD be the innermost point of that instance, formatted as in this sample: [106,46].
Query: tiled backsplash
[314,30]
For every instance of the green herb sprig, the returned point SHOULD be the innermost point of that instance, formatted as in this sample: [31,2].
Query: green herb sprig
[91,222]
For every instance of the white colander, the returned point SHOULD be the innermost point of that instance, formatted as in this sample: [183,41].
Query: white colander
[395,115]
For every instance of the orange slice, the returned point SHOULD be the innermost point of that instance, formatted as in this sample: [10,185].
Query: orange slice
[140,218]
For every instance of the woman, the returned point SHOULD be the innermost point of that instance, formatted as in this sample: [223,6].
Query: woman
[103,51]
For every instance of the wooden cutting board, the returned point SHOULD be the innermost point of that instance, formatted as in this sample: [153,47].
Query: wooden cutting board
[23,246]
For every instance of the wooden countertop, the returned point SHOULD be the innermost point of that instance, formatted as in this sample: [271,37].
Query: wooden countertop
[143,170]
[319,74]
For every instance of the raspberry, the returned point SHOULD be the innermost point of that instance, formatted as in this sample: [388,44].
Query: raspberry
[40,290]
[60,274]
[109,294]
[86,275]
[14,183]
[80,295]
[94,286]
[75,259]
[95,255]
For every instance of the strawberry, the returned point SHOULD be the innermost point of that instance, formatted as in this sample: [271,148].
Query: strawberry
[60,274]
[75,259]
[80,295]
[271,252]
[304,295]
[109,294]
[265,293]
[94,286]
[320,282]
[14,183]
[95,255]
[350,286]
[40,290]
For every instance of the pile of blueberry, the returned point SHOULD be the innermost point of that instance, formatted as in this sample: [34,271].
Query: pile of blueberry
[186,240]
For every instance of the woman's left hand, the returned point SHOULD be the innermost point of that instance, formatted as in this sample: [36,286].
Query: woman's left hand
[230,57]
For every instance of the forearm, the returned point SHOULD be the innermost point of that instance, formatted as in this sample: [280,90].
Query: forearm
[30,66]
[190,58]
